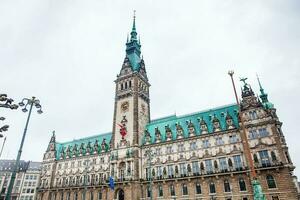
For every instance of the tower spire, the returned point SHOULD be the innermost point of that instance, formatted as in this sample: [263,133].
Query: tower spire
[264,96]
[260,87]
[133,48]
[133,30]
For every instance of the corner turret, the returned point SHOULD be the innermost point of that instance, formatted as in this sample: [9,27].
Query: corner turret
[51,150]
[264,96]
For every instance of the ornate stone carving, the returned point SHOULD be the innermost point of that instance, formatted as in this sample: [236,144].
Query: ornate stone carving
[229,121]
[191,128]
[157,135]
[203,126]
[216,124]
[168,133]
[147,137]
[179,131]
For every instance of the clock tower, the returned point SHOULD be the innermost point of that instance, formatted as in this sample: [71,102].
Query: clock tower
[132,110]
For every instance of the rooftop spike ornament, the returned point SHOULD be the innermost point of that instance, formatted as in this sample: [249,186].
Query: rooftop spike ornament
[264,96]
[257,189]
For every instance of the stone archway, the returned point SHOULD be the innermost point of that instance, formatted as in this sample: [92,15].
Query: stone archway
[120,195]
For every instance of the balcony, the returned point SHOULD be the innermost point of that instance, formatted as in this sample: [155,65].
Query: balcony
[201,173]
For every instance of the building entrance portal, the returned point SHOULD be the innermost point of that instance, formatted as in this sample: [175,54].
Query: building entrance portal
[120,195]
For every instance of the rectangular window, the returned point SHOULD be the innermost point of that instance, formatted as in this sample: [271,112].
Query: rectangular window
[158,151]
[264,158]
[208,166]
[182,169]
[148,173]
[223,164]
[159,172]
[232,139]
[169,150]
[219,141]
[237,162]
[170,171]
[193,146]
[253,134]
[263,132]
[195,166]
[180,148]
[205,144]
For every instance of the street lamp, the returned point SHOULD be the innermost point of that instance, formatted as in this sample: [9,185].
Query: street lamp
[24,103]
[6,102]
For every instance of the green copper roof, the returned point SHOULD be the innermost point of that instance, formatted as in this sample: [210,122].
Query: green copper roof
[62,147]
[133,49]
[208,115]
[264,96]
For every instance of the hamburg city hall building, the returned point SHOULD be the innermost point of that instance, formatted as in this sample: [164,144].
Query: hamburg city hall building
[194,156]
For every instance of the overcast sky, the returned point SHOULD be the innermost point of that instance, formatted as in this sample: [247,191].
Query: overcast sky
[67,53]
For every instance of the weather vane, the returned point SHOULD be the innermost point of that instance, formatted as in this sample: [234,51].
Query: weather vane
[244,80]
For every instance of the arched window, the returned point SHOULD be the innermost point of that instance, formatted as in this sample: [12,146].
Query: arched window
[172,190]
[130,84]
[242,184]
[255,158]
[61,196]
[184,189]
[91,195]
[229,162]
[202,166]
[160,191]
[125,85]
[273,156]
[148,191]
[68,196]
[216,164]
[253,115]
[122,87]
[198,188]
[271,181]
[75,196]
[227,186]
[212,188]
[99,195]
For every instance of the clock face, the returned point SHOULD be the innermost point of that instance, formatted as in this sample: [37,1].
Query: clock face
[125,106]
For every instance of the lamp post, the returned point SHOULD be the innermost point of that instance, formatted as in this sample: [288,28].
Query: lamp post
[257,189]
[24,103]
[150,155]
[6,102]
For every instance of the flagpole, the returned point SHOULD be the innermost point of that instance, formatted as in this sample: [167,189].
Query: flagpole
[257,189]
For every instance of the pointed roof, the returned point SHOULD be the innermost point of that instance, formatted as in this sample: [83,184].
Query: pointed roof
[133,48]
[202,117]
[264,96]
